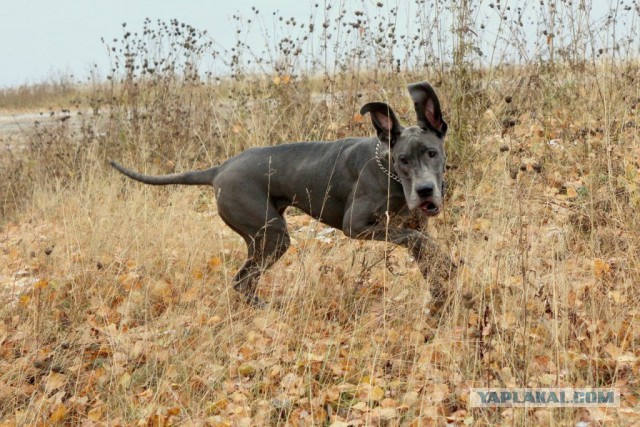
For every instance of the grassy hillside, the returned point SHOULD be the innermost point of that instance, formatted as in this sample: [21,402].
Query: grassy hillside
[116,299]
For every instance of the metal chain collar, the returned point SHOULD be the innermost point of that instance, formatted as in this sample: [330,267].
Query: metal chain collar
[385,170]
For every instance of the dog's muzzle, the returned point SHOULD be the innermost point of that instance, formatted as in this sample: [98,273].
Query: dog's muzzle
[430,203]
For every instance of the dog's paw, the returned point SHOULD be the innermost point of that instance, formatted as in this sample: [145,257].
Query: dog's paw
[257,302]
[452,268]
[438,294]
[441,267]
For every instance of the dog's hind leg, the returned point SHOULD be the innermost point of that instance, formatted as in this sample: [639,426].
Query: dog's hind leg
[265,245]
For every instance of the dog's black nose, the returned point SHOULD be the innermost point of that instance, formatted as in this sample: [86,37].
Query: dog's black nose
[425,191]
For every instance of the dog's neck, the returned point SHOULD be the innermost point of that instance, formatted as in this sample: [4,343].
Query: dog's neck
[383,159]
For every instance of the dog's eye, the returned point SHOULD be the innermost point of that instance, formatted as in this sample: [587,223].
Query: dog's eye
[404,160]
[432,153]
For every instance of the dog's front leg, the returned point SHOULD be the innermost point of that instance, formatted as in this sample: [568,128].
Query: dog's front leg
[430,258]
[435,263]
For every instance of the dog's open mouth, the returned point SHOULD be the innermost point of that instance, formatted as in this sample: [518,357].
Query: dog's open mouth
[430,209]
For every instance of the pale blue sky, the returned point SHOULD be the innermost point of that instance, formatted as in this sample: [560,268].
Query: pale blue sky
[39,38]
[42,38]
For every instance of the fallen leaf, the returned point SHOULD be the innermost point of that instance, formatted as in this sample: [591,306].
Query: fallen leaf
[171,412]
[95,413]
[125,380]
[571,193]
[360,406]
[191,295]
[358,118]
[246,370]
[388,413]
[508,320]
[388,403]
[161,289]
[376,393]
[481,224]
[58,414]
[617,297]
[55,381]
[410,398]
[601,268]
[214,408]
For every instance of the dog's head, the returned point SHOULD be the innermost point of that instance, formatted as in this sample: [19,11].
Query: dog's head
[417,152]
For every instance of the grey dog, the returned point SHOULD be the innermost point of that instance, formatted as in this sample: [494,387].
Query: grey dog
[355,184]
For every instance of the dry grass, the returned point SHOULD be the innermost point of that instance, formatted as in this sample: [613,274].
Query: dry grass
[117,306]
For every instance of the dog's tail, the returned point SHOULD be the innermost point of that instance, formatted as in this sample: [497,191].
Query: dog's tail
[201,177]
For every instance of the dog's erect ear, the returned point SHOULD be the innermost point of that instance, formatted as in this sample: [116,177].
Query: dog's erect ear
[384,120]
[427,105]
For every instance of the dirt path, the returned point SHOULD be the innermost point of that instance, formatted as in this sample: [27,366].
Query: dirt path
[16,122]
[16,125]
